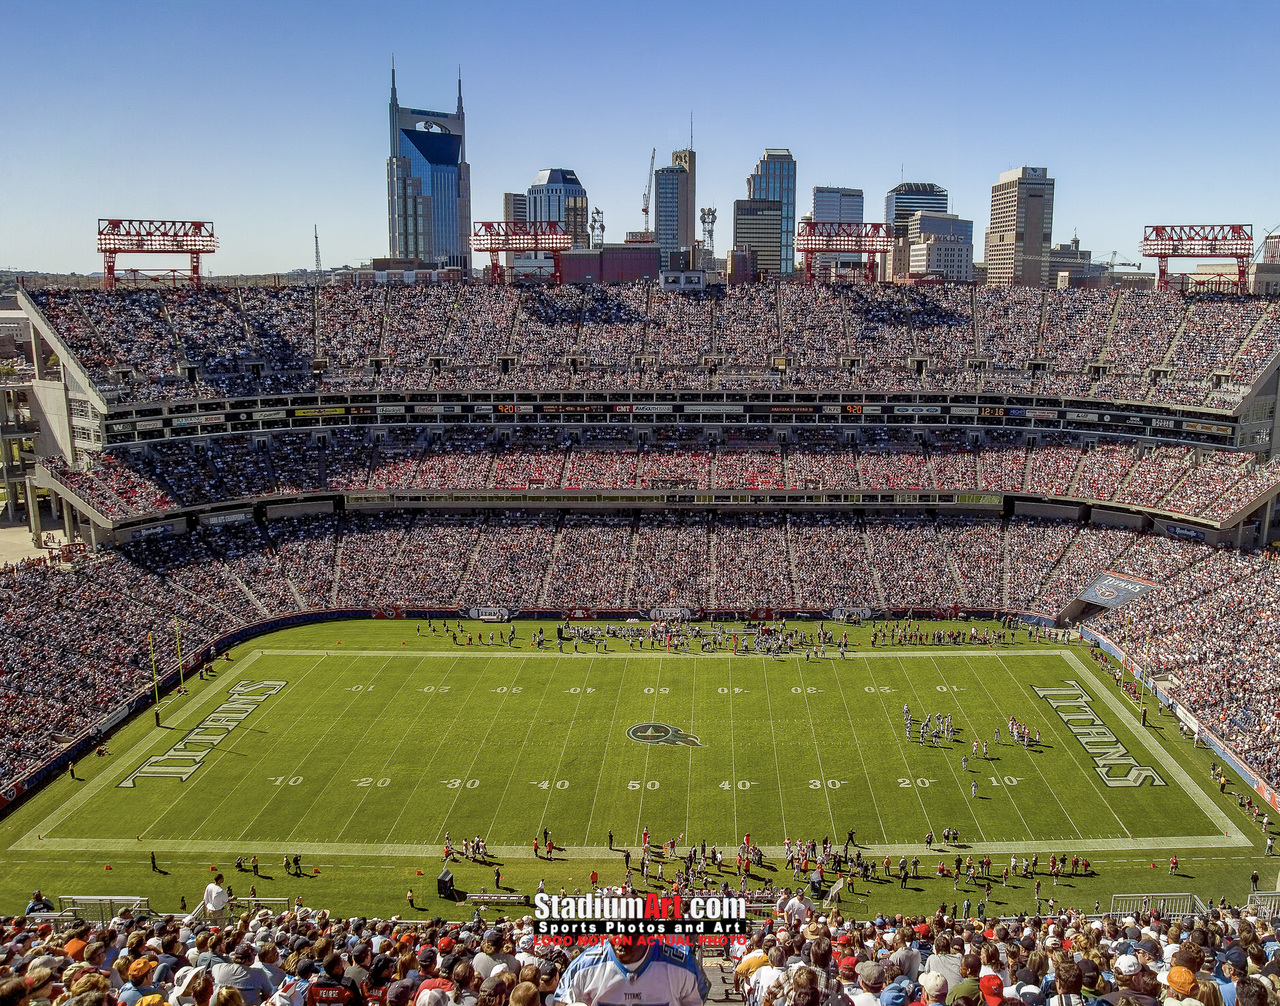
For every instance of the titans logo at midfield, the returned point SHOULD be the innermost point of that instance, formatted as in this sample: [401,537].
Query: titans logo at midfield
[662,733]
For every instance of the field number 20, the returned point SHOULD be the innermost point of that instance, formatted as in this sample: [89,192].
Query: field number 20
[923,783]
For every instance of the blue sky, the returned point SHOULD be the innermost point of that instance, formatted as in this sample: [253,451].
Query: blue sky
[268,118]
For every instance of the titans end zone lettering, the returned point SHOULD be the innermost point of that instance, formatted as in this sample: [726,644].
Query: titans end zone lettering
[1072,704]
[182,760]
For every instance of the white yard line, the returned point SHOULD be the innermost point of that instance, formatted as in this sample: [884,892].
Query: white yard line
[773,735]
[479,750]
[613,722]
[644,776]
[534,721]
[817,748]
[128,761]
[1075,752]
[392,758]
[853,732]
[951,696]
[422,774]
[688,793]
[1232,835]
[316,696]
[902,751]
[555,776]
[1065,815]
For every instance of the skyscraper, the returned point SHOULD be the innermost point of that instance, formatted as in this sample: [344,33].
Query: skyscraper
[1021,231]
[775,180]
[837,206]
[673,210]
[757,226]
[688,159]
[941,245]
[899,204]
[556,194]
[428,185]
[911,197]
[514,207]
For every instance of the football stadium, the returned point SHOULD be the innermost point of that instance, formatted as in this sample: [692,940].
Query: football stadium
[867,636]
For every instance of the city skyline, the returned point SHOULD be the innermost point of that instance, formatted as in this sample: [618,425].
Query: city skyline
[281,126]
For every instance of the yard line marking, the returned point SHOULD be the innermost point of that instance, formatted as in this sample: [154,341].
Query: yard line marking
[853,731]
[733,760]
[604,760]
[132,757]
[475,757]
[1068,742]
[534,720]
[215,757]
[960,706]
[444,735]
[1167,761]
[777,765]
[298,721]
[391,759]
[551,790]
[1065,814]
[688,793]
[351,749]
[817,748]
[644,775]
[902,751]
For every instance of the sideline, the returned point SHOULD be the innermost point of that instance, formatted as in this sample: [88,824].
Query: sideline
[429,850]
[1166,760]
[125,763]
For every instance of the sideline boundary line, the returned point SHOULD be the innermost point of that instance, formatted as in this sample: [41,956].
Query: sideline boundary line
[129,759]
[1233,836]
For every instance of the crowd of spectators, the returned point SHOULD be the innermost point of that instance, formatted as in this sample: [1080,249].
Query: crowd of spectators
[801,955]
[1131,345]
[1215,618]
[138,481]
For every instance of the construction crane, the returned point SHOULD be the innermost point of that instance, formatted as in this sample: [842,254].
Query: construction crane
[648,190]
[1114,261]
[1261,255]
[316,229]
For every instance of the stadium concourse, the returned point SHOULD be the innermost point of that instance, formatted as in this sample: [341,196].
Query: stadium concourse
[802,956]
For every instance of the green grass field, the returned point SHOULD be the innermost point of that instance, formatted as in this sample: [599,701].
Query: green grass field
[368,743]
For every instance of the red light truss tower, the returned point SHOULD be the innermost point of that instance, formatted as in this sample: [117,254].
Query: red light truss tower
[154,237]
[499,236]
[1165,241]
[815,238]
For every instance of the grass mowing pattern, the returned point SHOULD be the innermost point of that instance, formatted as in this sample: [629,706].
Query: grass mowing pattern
[383,740]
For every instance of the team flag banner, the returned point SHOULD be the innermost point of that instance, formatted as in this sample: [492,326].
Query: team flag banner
[1114,589]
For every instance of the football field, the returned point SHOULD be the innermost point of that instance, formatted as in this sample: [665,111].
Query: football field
[358,745]
[363,738]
